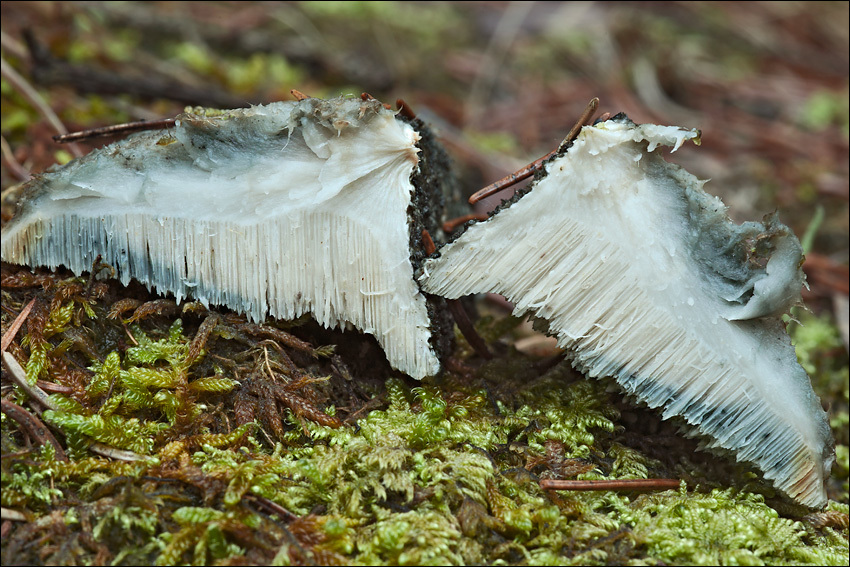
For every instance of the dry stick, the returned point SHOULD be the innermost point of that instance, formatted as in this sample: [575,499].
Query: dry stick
[36,100]
[647,484]
[404,109]
[115,130]
[451,224]
[459,314]
[298,95]
[530,169]
[33,426]
[10,333]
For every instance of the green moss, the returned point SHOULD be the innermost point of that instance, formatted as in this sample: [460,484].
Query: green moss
[440,473]
[722,528]
[28,483]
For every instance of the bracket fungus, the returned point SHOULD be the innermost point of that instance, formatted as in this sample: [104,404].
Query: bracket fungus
[642,276]
[293,207]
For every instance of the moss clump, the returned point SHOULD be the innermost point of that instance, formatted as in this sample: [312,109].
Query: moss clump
[263,444]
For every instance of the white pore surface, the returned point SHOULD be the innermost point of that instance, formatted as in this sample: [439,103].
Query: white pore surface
[604,250]
[281,209]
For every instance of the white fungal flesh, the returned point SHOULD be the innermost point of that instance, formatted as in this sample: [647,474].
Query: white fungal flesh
[284,209]
[643,277]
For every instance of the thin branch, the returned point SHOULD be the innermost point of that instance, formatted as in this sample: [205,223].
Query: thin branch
[13,46]
[54,388]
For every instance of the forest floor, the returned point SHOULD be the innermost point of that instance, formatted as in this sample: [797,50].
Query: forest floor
[273,446]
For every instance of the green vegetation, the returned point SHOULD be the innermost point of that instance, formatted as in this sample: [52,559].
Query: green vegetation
[439,473]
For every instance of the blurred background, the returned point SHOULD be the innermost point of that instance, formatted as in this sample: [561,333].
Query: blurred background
[500,82]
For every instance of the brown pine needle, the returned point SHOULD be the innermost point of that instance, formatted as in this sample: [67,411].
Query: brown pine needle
[589,110]
[115,130]
[530,169]
[404,109]
[451,224]
[619,485]
[428,243]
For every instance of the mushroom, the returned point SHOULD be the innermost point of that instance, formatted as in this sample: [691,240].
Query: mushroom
[298,207]
[641,276]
